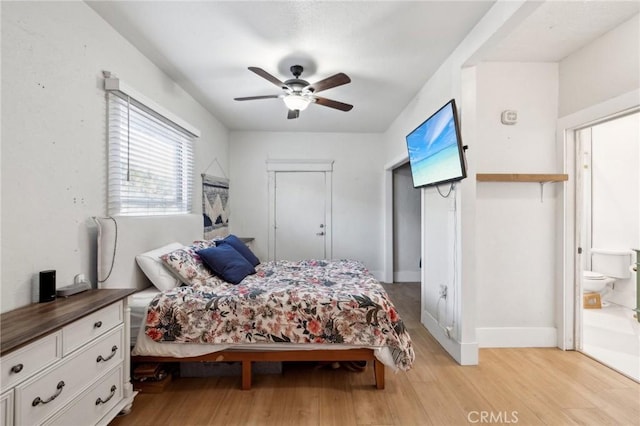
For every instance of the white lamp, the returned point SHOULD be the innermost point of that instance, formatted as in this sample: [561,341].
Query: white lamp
[298,102]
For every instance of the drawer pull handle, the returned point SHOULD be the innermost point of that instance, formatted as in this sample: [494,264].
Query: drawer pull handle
[17,368]
[100,358]
[39,401]
[97,324]
[104,401]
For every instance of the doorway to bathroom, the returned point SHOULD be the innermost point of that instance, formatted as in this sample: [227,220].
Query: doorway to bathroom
[607,229]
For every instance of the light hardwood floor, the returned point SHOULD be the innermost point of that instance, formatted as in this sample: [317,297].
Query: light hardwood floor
[510,386]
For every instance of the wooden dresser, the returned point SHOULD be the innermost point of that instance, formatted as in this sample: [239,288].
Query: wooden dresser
[66,362]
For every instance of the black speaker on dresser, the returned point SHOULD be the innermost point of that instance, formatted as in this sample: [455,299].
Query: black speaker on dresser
[47,286]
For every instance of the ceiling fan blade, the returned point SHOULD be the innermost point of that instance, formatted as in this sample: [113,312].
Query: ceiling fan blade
[262,73]
[293,113]
[253,98]
[329,82]
[333,104]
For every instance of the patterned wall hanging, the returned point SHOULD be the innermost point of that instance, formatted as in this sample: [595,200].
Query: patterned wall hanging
[215,206]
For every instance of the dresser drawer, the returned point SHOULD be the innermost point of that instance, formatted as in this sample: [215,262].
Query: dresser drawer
[23,363]
[90,327]
[94,403]
[48,392]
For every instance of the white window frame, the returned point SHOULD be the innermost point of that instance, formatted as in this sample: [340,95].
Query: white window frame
[150,156]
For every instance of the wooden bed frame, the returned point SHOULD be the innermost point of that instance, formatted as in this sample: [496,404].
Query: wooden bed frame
[246,358]
[121,238]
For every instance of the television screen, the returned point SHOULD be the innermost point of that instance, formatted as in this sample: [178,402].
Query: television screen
[435,149]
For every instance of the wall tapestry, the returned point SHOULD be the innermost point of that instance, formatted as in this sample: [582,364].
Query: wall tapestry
[215,206]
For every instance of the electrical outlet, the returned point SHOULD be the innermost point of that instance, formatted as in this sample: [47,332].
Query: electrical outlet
[443,291]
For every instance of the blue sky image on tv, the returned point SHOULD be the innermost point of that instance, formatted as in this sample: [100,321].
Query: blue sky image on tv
[434,150]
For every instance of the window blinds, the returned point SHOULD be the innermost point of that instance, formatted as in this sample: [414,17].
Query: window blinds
[150,161]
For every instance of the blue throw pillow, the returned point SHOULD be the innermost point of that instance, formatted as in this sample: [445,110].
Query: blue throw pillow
[227,263]
[240,247]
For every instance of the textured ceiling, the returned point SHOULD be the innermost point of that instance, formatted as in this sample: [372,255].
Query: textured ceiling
[388,49]
[559,28]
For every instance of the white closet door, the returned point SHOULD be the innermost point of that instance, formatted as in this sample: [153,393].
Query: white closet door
[300,215]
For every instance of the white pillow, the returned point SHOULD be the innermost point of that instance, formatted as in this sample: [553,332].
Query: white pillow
[154,269]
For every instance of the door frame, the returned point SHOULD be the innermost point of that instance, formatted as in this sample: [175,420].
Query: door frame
[299,165]
[568,295]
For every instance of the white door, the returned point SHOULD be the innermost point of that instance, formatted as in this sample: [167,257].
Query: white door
[300,215]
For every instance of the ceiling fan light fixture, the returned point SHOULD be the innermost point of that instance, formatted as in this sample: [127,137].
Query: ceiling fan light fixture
[298,93]
[296,102]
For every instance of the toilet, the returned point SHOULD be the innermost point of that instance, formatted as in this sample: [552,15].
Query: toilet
[595,282]
[606,266]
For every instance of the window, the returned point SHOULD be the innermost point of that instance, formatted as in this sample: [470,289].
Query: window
[150,160]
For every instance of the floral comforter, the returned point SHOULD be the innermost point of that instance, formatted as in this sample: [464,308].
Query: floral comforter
[310,301]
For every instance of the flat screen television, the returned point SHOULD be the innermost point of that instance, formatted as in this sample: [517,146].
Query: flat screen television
[436,153]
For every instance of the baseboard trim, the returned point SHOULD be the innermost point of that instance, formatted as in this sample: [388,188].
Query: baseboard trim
[463,353]
[517,337]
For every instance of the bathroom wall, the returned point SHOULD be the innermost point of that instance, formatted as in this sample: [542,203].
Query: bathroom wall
[615,194]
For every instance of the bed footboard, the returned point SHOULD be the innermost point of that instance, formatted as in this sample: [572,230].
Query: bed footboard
[246,358]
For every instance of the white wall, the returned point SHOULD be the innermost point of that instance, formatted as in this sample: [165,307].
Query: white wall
[607,67]
[357,187]
[406,227]
[54,136]
[515,236]
[450,235]
[616,194]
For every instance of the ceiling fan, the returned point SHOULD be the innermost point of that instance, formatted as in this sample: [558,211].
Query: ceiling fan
[298,94]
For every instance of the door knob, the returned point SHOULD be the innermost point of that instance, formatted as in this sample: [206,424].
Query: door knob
[320,233]
[321,225]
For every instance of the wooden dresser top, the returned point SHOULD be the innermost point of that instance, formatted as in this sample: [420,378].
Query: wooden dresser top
[26,324]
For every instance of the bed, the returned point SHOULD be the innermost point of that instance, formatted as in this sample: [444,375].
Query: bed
[313,310]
